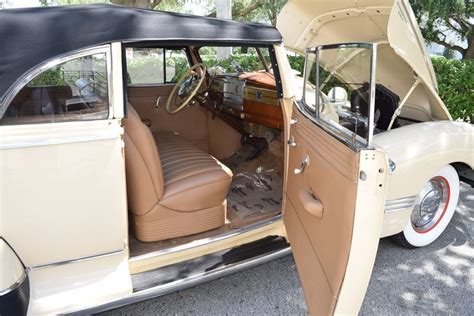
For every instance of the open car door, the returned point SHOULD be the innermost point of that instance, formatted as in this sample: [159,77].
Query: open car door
[336,180]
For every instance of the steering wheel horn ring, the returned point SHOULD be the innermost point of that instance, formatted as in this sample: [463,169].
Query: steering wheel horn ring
[184,87]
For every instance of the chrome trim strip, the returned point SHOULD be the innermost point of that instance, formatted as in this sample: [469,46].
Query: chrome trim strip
[32,73]
[187,282]
[333,130]
[400,204]
[373,82]
[15,285]
[206,241]
[59,141]
[60,263]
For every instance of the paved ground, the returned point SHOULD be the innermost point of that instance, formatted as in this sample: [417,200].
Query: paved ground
[438,279]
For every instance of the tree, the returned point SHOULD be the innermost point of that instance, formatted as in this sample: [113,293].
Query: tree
[254,10]
[439,18]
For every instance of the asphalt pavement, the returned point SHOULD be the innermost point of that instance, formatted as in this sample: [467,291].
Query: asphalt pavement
[435,280]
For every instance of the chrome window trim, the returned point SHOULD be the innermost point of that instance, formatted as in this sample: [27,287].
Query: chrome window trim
[32,73]
[60,141]
[354,142]
[75,260]
[336,131]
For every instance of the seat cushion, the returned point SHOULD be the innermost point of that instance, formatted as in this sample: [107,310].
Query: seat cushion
[193,179]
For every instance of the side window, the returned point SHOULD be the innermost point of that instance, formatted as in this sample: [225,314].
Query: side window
[75,90]
[337,89]
[155,66]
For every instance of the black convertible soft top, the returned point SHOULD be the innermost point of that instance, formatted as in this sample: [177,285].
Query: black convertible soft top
[29,37]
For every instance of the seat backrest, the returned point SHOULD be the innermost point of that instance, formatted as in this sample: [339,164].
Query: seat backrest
[145,184]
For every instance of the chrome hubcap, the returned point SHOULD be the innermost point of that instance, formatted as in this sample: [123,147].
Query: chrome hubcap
[431,205]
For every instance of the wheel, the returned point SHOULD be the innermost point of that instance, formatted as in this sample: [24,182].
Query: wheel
[433,210]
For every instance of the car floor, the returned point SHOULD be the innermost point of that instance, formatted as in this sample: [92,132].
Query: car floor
[255,195]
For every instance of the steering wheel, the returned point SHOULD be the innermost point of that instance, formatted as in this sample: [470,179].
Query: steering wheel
[186,88]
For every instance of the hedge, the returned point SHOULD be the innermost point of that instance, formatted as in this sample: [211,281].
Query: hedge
[456,86]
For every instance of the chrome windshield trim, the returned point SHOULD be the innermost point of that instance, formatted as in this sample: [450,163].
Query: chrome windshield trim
[400,204]
[206,241]
[32,73]
[75,260]
[186,282]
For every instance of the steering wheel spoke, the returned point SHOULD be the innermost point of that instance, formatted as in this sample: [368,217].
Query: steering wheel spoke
[186,88]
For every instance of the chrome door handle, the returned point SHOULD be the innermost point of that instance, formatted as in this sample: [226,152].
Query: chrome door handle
[303,166]
[157,103]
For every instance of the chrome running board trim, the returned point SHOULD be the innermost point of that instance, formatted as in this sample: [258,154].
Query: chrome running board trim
[60,263]
[400,204]
[187,282]
[206,241]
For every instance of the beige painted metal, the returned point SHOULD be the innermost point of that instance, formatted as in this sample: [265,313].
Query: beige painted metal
[436,144]
[63,206]
[366,231]
[78,285]
[12,271]
[391,24]
[395,222]
[47,172]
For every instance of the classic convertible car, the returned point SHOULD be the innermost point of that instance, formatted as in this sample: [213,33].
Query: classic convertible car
[139,153]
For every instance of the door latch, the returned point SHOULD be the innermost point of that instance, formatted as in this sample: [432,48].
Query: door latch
[303,166]
[292,142]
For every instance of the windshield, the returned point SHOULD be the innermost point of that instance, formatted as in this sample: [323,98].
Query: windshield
[343,76]
[235,59]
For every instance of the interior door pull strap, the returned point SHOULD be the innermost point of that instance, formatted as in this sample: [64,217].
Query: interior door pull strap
[311,204]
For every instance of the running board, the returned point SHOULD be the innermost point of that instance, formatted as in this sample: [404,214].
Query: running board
[196,271]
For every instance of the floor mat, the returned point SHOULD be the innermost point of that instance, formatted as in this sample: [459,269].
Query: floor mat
[256,188]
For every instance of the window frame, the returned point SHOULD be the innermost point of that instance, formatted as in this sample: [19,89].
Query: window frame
[352,140]
[164,48]
[31,75]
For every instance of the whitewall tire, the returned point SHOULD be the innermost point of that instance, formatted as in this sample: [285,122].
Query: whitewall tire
[433,210]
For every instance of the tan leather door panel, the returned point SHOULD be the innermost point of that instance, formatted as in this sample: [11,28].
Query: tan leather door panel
[320,208]
[191,122]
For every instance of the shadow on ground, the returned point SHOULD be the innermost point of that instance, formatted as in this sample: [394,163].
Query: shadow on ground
[438,279]
[435,280]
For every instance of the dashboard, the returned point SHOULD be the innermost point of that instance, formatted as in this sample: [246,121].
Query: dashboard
[248,96]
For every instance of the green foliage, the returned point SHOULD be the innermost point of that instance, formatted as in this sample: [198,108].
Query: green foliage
[249,62]
[455,79]
[51,77]
[440,18]
[456,86]
[149,69]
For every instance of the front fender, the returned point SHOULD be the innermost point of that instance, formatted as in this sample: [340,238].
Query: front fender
[420,150]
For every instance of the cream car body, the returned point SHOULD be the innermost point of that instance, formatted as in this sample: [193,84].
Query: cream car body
[63,198]
[403,66]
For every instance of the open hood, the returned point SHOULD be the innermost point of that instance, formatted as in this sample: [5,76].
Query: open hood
[402,55]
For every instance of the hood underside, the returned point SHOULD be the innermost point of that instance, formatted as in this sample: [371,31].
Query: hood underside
[402,55]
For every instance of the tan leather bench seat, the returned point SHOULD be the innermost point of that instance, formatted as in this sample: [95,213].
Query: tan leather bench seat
[174,189]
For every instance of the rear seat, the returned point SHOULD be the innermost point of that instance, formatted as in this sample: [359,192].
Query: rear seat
[174,189]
